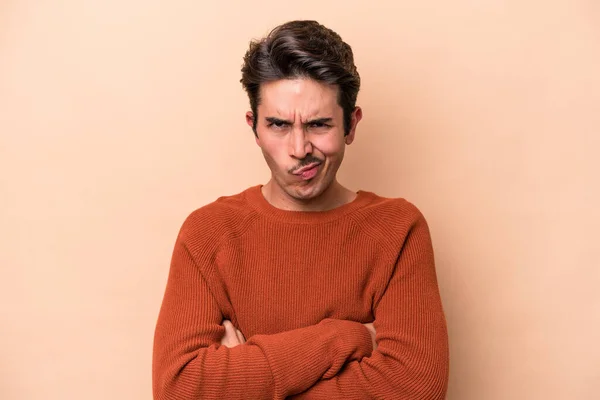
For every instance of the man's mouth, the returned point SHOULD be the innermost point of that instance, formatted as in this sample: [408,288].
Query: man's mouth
[308,171]
[306,168]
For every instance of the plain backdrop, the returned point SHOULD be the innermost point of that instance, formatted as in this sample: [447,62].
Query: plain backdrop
[118,118]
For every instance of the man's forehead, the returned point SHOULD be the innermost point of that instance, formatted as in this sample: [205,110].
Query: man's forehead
[301,114]
[298,90]
[293,99]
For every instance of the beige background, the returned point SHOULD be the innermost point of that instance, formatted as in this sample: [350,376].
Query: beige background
[118,118]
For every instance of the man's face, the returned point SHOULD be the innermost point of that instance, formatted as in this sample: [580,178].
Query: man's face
[300,131]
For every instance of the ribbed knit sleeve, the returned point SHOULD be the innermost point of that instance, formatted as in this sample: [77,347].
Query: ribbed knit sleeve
[411,361]
[189,362]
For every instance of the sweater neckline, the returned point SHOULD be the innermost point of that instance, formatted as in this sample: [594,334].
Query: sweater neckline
[256,199]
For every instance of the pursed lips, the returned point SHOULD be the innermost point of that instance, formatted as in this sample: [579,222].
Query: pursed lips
[306,168]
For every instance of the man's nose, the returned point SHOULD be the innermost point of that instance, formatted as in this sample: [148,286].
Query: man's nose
[299,144]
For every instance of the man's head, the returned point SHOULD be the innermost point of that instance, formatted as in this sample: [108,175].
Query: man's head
[302,84]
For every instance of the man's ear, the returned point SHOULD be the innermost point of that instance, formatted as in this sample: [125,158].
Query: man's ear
[355,119]
[250,121]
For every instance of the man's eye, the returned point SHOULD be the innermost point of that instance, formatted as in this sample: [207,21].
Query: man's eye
[278,124]
[318,125]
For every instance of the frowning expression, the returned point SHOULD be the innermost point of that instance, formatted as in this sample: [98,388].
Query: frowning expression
[300,130]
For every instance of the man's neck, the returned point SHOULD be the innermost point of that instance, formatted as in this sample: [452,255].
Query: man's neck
[334,196]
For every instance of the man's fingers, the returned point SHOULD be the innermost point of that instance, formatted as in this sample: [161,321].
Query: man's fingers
[232,337]
[240,337]
[227,326]
[229,329]
[373,333]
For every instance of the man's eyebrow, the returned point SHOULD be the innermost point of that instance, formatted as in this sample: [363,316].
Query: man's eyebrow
[275,120]
[319,120]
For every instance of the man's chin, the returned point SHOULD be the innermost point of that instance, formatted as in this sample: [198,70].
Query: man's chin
[306,190]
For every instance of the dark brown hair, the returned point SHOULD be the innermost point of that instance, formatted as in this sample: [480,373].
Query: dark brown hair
[302,49]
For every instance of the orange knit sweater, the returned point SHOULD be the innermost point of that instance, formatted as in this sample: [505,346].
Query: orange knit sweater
[299,285]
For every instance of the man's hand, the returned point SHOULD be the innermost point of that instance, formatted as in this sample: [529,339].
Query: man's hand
[371,330]
[232,337]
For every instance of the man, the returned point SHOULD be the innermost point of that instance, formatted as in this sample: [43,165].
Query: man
[335,290]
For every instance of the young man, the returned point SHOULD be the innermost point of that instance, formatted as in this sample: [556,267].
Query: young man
[302,288]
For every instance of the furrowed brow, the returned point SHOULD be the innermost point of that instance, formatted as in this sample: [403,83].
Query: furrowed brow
[275,120]
[319,121]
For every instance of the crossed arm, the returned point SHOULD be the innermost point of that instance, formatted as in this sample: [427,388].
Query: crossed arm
[234,337]
[198,356]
